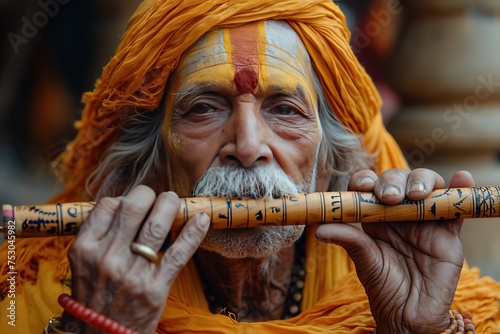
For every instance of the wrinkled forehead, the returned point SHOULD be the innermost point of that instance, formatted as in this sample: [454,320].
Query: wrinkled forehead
[254,55]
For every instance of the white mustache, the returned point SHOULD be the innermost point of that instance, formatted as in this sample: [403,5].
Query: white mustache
[259,182]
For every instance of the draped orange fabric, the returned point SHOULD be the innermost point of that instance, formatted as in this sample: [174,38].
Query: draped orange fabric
[157,34]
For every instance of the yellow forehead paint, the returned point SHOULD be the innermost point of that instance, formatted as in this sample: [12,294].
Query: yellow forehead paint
[251,58]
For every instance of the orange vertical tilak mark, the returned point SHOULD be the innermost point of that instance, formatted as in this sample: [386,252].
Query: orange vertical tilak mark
[245,53]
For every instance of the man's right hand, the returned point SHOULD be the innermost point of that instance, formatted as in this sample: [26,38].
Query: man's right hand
[112,280]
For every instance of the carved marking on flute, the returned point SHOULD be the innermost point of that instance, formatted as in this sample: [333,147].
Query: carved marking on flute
[239,205]
[357,206]
[421,210]
[372,199]
[229,204]
[284,218]
[459,203]
[72,212]
[444,193]
[70,228]
[186,210]
[307,210]
[265,211]
[336,203]
[484,203]
[31,225]
[293,199]
[323,207]
[275,209]
[433,209]
[41,212]
[259,215]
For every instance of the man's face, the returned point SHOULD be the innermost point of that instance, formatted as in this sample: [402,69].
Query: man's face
[243,97]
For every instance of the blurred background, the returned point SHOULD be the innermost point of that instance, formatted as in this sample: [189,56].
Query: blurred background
[436,64]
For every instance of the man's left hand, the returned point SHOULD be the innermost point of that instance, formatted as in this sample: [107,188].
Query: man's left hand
[410,270]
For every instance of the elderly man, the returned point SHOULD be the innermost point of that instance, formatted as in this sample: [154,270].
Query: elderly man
[242,99]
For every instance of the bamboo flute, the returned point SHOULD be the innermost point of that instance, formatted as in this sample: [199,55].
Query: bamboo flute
[302,209]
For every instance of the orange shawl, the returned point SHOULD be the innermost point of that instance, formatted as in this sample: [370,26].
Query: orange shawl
[157,34]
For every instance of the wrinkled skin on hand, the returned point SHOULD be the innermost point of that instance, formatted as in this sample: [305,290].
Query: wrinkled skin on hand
[410,270]
[109,278]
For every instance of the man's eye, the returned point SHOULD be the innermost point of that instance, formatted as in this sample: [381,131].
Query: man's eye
[202,108]
[284,109]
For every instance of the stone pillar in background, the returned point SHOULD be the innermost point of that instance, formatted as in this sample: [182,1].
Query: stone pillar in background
[447,70]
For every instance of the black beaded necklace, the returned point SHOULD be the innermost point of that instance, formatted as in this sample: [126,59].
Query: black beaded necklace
[297,281]
[294,295]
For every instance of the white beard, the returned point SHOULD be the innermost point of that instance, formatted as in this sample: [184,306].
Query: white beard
[263,181]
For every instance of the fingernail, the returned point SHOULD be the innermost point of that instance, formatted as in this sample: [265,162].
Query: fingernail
[365,181]
[203,220]
[417,186]
[391,190]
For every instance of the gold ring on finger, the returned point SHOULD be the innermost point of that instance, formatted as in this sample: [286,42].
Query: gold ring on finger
[145,251]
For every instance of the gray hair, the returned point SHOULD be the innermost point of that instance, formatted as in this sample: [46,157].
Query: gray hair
[341,153]
[138,156]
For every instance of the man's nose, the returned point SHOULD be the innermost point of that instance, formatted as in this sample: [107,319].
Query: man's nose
[247,137]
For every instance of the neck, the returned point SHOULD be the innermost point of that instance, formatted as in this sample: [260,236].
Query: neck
[252,289]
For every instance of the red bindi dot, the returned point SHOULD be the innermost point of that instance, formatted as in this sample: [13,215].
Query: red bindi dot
[246,80]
